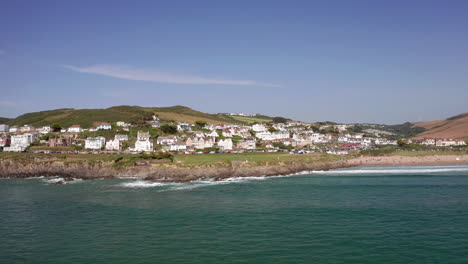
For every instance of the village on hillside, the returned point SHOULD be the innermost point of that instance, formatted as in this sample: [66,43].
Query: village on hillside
[201,137]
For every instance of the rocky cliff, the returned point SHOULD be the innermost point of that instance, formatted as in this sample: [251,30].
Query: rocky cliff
[83,170]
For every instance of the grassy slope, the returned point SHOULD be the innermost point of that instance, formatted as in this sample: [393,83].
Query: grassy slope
[182,113]
[86,117]
[453,127]
[252,119]
[83,117]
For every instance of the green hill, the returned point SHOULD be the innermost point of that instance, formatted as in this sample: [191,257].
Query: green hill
[4,120]
[87,117]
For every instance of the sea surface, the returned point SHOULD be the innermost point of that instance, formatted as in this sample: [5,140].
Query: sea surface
[358,215]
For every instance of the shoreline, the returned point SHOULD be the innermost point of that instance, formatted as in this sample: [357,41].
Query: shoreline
[10,168]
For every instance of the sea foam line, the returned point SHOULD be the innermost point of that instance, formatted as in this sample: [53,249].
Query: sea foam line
[142,184]
[59,179]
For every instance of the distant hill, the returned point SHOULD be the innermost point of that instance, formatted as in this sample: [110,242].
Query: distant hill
[453,127]
[4,120]
[87,117]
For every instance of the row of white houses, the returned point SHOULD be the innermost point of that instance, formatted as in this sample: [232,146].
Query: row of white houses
[442,142]
[19,143]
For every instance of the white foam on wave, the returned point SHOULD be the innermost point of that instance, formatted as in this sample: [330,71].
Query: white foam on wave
[32,178]
[242,179]
[130,177]
[62,180]
[188,185]
[205,183]
[141,184]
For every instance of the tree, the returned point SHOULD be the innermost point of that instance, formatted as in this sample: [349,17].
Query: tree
[401,143]
[281,145]
[125,145]
[272,129]
[148,116]
[200,123]
[169,129]
[56,127]
[279,119]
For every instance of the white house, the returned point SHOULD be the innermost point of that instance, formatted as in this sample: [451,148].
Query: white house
[154,123]
[280,134]
[143,142]
[19,143]
[320,138]
[122,124]
[225,144]
[27,128]
[95,143]
[166,140]
[247,143]
[143,145]
[113,145]
[264,135]
[200,143]
[428,142]
[13,129]
[366,141]
[4,128]
[384,141]
[183,126]
[104,126]
[24,140]
[280,126]
[178,146]
[212,133]
[449,142]
[199,134]
[14,149]
[259,128]
[45,130]
[75,129]
[227,133]
[120,137]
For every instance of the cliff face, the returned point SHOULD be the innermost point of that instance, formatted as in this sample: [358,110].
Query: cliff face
[12,168]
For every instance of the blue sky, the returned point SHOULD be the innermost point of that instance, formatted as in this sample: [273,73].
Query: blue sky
[346,61]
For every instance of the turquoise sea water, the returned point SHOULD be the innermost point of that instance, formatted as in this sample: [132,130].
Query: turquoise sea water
[358,215]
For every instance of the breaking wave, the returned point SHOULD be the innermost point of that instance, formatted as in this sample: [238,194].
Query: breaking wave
[60,180]
[188,185]
[141,184]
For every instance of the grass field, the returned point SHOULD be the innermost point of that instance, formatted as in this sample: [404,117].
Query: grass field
[251,119]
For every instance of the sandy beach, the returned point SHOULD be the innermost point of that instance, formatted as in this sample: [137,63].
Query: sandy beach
[405,160]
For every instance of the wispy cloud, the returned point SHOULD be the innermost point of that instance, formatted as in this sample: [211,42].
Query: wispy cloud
[127,73]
